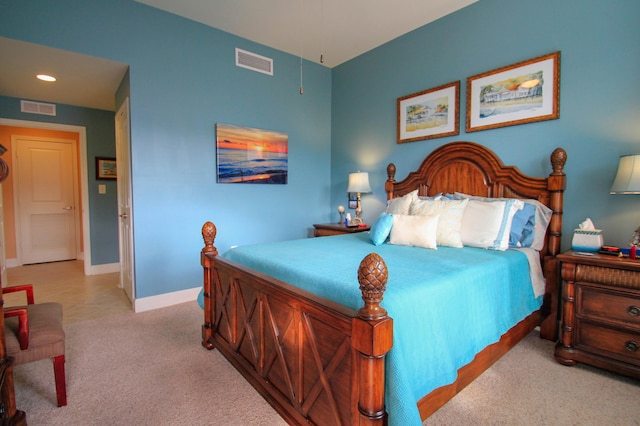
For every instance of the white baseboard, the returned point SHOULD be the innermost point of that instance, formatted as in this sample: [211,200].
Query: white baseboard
[105,268]
[145,303]
[167,299]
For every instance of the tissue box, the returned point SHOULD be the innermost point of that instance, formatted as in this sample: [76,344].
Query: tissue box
[587,239]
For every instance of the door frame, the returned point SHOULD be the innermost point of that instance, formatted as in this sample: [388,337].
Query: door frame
[84,178]
[16,184]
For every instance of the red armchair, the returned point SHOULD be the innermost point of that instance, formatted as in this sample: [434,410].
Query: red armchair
[35,332]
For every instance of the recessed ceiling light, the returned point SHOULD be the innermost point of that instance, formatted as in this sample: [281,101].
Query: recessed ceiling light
[45,77]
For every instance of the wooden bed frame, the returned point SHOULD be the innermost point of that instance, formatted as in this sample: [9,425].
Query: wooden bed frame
[318,362]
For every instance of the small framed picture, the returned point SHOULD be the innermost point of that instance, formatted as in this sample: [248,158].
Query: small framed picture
[432,113]
[106,168]
[353,200]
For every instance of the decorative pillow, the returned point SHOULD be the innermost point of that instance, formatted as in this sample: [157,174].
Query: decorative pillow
[450,222]
[418,231]
[541,222]
[535,230]
[381,229]
[438,196]
[486,224]
[401,205]
[522,226]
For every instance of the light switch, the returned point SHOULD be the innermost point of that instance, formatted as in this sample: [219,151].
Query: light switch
[102,189]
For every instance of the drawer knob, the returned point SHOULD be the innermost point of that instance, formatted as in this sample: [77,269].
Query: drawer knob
[631,346]
[633,311]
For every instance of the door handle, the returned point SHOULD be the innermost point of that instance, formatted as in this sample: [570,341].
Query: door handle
[124,215]
[67,208]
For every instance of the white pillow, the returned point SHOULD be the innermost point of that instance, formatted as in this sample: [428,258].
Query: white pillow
[401,205]
[538,228]
[486,224]
[418,231]
[450,222]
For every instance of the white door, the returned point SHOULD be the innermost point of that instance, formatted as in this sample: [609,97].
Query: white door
[45,182]
[124,200]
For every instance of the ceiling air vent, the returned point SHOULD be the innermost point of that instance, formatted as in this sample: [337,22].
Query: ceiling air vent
[254,62]
[32,107]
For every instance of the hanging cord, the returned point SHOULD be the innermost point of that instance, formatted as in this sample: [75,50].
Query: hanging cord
[301,88]
[321,31]
[301,42]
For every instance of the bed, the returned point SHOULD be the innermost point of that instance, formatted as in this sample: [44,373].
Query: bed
[320,359]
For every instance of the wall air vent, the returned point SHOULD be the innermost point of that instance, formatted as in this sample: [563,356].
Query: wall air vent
[254,62]
[32,107]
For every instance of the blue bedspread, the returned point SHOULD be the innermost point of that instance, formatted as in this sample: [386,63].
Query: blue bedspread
[447,304]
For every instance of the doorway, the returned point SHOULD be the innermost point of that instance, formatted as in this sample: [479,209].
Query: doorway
[82,180]
[46,197]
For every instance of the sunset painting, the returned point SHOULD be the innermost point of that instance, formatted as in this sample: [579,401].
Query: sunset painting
[247,155]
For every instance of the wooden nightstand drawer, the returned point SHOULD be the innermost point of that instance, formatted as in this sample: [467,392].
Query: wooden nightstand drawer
[328,229]
[614,343]
[600,303]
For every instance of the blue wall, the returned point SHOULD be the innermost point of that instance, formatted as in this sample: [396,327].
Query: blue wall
[183,80]
[599,101]
[100,132]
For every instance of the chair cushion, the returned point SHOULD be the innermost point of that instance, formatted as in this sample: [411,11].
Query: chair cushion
[46,335]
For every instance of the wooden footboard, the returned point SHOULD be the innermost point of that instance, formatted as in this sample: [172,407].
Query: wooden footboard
[314,361]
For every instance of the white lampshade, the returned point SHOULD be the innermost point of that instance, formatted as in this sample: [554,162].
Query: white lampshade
[359,182]
[628,177]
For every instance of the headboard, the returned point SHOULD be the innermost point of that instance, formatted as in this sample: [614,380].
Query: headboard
[476,170]
[473,169]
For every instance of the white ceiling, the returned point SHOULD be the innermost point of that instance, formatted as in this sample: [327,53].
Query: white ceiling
[338,29]
[83,80]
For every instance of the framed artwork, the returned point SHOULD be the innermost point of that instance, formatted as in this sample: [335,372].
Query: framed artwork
[106,168]
[433,113]
[525,92]
[247,155]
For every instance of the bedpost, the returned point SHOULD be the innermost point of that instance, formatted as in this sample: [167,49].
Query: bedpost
[372,338]
[208,235]
[391,180]
[555,184]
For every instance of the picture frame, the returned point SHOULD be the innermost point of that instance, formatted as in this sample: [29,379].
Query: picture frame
[525,92]
[432,113]
[106,168]
[353,200]
[251,156]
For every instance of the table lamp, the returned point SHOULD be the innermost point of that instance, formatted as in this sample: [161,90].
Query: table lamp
[358,183]
[627,181]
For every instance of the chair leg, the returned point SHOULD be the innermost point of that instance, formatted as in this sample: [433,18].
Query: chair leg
[61,384]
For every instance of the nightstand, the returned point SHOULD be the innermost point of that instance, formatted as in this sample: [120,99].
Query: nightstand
[326,229]
[600,312]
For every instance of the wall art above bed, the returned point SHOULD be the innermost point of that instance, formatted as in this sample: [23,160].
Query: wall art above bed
[432,113]
[247,155]
[521,93]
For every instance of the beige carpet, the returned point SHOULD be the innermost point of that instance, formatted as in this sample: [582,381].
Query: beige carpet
[149,368]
